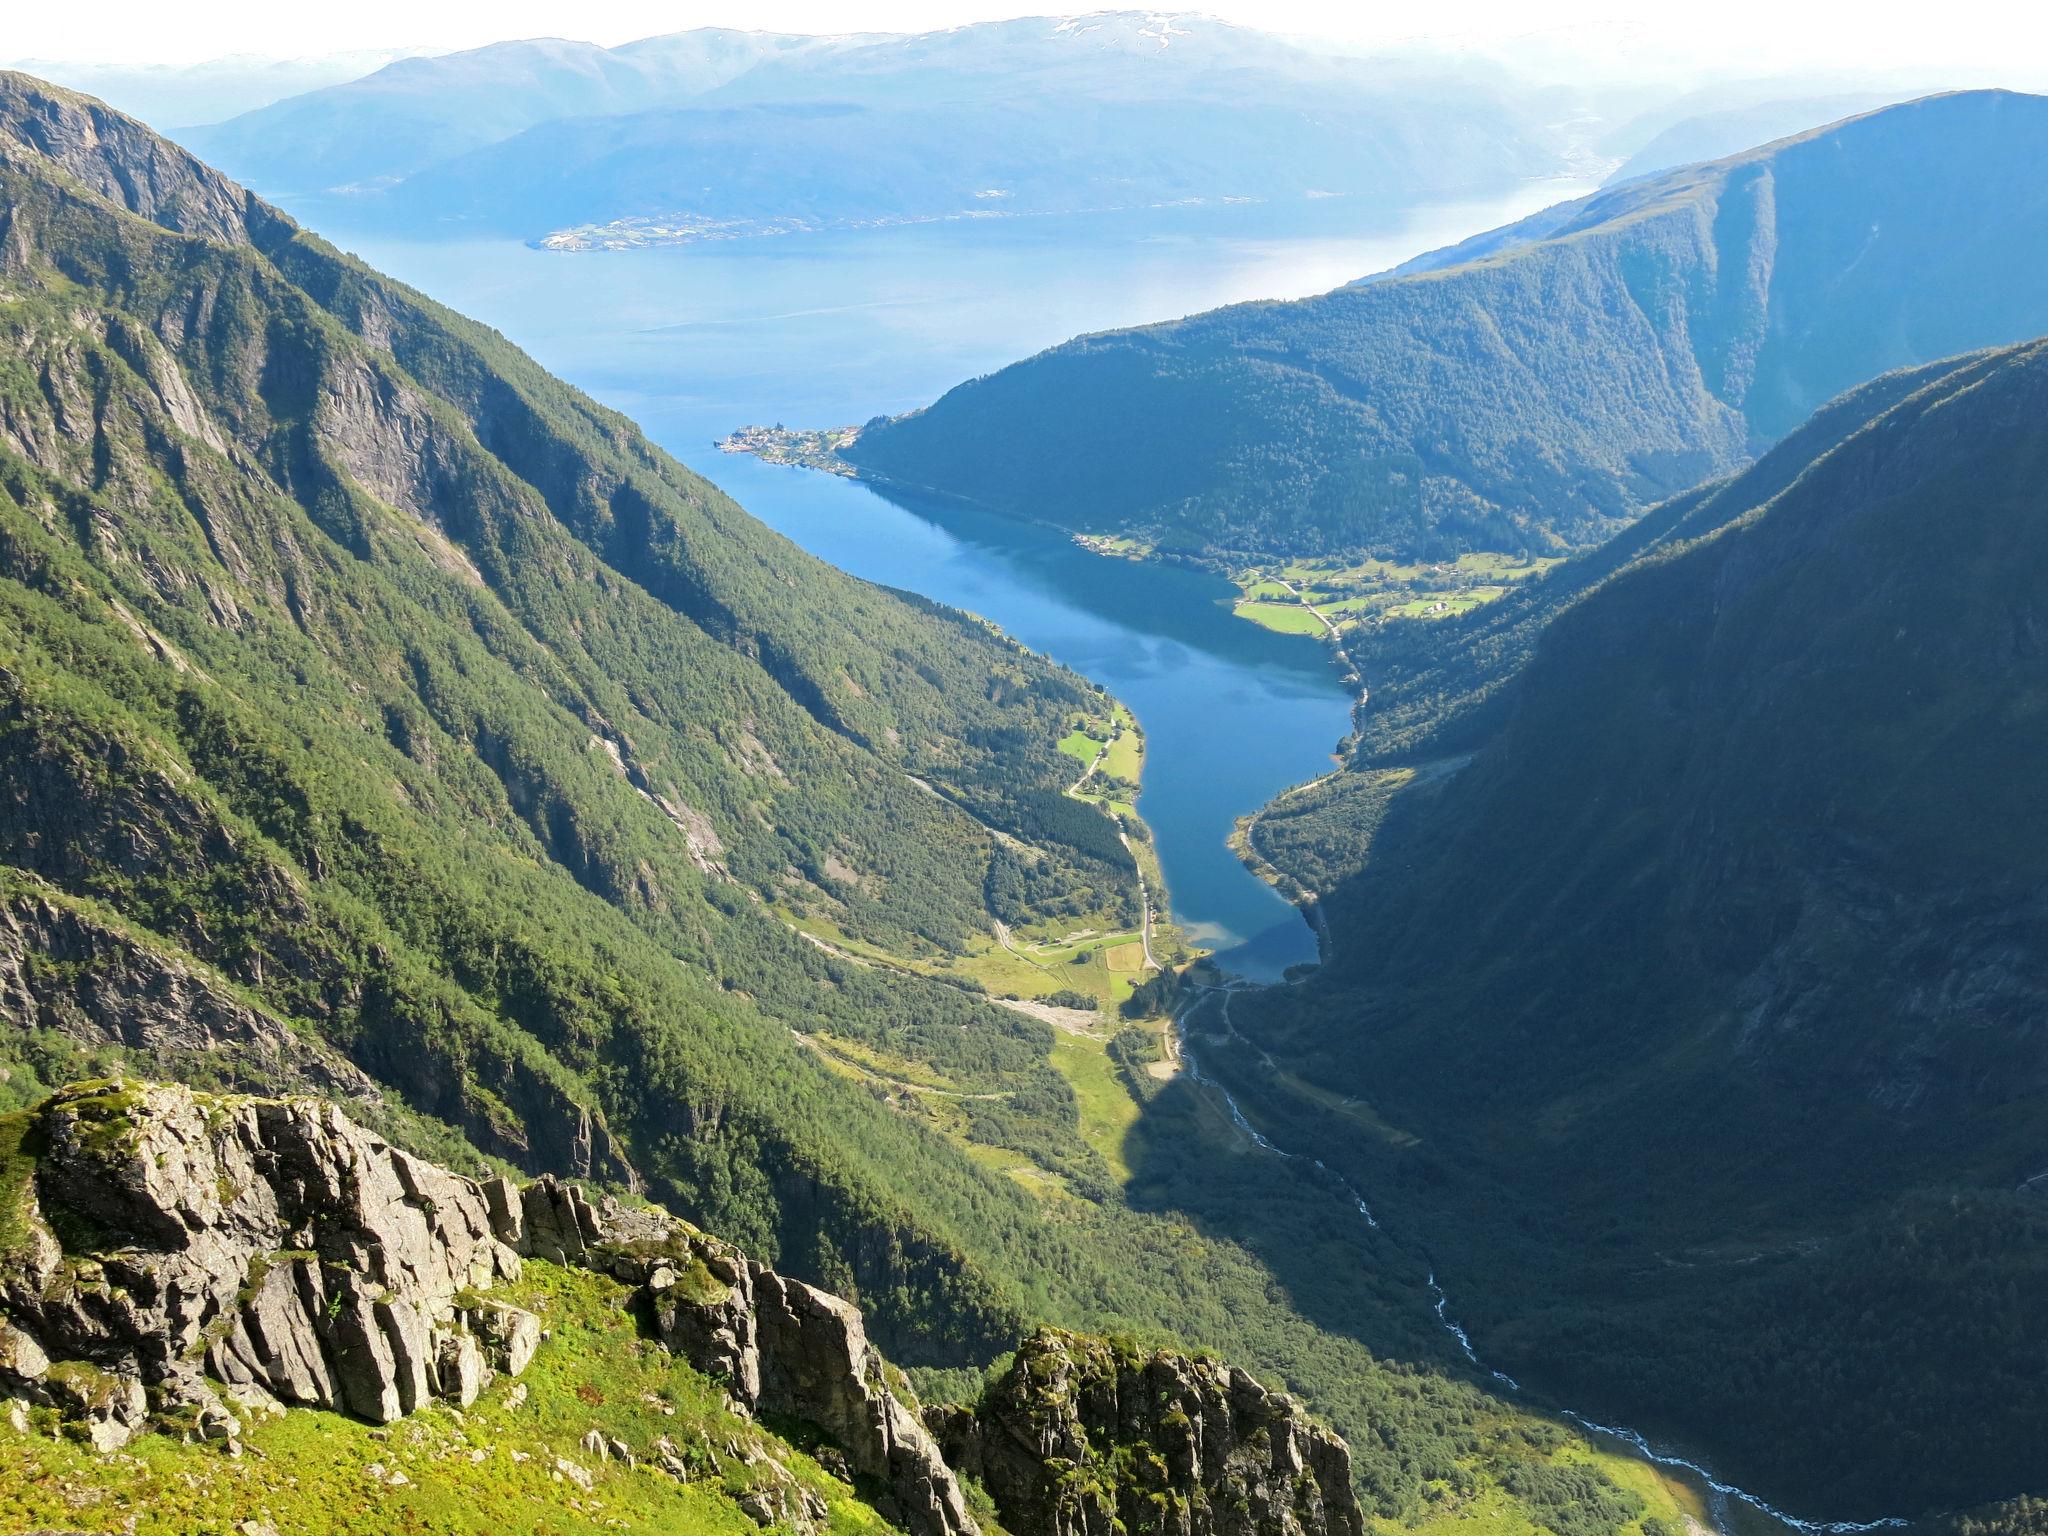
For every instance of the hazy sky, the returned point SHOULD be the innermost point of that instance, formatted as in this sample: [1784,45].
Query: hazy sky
[1758,35]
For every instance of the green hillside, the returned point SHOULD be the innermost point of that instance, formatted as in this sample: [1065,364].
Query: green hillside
[1693,1022]
[356,660]
[1535,389]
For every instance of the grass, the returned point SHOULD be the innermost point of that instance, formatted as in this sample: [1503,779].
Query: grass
[1041,1182]
[1043,961]
[1126,756]
[1101,964]
[1287,618]
[484,1472]
[1080,745]
[1124,957]
[1118,741]
[1673,1501]
[1377,590]
[870,1061]
[1109,1115]
[17,1171]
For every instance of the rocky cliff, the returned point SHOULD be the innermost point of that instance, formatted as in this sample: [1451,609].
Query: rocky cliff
[185,1259]
[1088,1437]
[182,1260]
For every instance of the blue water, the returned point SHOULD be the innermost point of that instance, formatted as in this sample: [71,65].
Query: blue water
[1232,713]
[823,330]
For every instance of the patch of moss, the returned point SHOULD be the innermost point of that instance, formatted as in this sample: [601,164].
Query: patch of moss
[19,1148]
[104,1110]
[699,1286]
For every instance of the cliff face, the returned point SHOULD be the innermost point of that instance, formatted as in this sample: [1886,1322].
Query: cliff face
[167,1242]
[1085,1437]
[185,1259]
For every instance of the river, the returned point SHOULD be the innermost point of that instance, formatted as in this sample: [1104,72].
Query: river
[827,329]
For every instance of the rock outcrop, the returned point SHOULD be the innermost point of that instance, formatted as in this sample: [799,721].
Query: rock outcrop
[780,1346]
[169,1244]
[189,1258]
[1086,1437]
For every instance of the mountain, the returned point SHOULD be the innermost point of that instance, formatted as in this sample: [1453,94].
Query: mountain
[708,133]
[1728,130]
[1535,388]
[416,112]
[1721,962]
[180,95]
[398,690]
[381,718]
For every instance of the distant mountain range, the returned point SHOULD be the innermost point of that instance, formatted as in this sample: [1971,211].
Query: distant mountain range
[716,131]
[1535,387]
[182,95]
[415,113]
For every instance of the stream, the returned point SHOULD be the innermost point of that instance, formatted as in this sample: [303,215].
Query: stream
[1635,1440]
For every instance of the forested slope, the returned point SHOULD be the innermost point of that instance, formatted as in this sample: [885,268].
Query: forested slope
[1721,965]
[424,703]
[1536,388]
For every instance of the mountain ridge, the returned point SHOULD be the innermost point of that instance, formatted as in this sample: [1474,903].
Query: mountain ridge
[1538,396]
[1720,960]
[708,135]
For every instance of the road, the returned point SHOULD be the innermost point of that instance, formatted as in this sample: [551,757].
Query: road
[1311,607]
[1144,903]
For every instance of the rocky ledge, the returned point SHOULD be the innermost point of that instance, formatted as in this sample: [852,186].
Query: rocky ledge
[182,1260]
[1090,1437]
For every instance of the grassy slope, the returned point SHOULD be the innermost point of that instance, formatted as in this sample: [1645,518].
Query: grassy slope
[482,1471]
